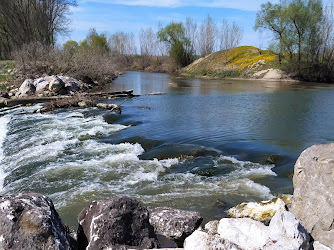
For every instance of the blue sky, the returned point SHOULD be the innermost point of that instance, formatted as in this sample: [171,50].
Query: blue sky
[110,16]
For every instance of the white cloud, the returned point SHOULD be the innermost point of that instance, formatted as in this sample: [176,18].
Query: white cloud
[233,4]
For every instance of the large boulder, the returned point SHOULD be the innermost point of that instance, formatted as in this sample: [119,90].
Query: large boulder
[313,197]
[115,223]
[262,211]
[41,84]
[174,223]
[30,221]
[27,88]
[286,232]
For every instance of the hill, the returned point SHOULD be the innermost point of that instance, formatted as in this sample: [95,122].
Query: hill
[241,61]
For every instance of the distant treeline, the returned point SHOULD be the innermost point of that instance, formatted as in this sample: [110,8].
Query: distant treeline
[183,42]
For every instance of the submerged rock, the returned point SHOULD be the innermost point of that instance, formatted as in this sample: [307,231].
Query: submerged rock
[30,221]
[261,211]
[313,197]
[115,223]
[174,223]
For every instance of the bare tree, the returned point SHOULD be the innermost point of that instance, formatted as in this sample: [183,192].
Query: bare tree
[148,42]
[230,35]
[28,21]
[122,44]
[191,33]
[207,36]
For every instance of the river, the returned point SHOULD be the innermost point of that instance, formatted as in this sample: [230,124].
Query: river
[201,146]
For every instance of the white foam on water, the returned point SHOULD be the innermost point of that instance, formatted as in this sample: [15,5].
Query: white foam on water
[3,131]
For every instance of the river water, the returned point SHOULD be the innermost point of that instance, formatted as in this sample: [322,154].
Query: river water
[201,146]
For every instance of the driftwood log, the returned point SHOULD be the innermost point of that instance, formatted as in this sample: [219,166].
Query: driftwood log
[94,95]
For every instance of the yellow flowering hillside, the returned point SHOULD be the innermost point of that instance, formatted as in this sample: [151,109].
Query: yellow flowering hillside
[240,59]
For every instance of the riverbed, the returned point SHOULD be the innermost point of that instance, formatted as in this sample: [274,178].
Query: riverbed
[203,145]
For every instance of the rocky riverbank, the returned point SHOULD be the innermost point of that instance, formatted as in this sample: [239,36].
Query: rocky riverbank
[302,221]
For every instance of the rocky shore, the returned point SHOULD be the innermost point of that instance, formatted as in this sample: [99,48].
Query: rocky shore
[302,221]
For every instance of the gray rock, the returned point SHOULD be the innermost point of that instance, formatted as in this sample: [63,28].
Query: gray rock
[71,84]
[115,223]
[30,221]
[27,88]
[164,242]
[286,232]
[313,197]
[173,223]
[82,104]
[56,85]
[201,240]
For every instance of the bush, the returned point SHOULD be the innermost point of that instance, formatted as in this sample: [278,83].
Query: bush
[34,60]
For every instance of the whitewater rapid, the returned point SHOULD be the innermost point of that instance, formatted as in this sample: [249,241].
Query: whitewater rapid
[68,156]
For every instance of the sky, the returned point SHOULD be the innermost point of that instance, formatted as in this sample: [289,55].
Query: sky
[111,16]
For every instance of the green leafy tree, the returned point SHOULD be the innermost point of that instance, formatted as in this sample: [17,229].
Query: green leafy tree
[70,47]
[273,17]
[95,42]
[180,48]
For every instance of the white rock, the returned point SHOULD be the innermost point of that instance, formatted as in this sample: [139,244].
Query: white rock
[211,227]
[244,232]
[286,232]
[200,240]
[318,246]
[26,89]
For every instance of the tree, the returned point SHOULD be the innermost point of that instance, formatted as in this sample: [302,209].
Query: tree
[230,35]
[180,49]
[207,36]
[70,47]
[273,17]
[122,44]
[148,42]
[95,42]
[32,21]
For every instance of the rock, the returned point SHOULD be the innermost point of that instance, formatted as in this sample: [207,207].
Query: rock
[244,232]
[212,227]
[41,84]
[286,232]
[313,197]
[261,211]
[71,84]
[318,246]
[164,242]
[4,94]
[201,240]
[275,74]
[30,221]
[174,223]
[82,104]
[27,88]
[273,159]
[112,107]
[117,222]
[56,85]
